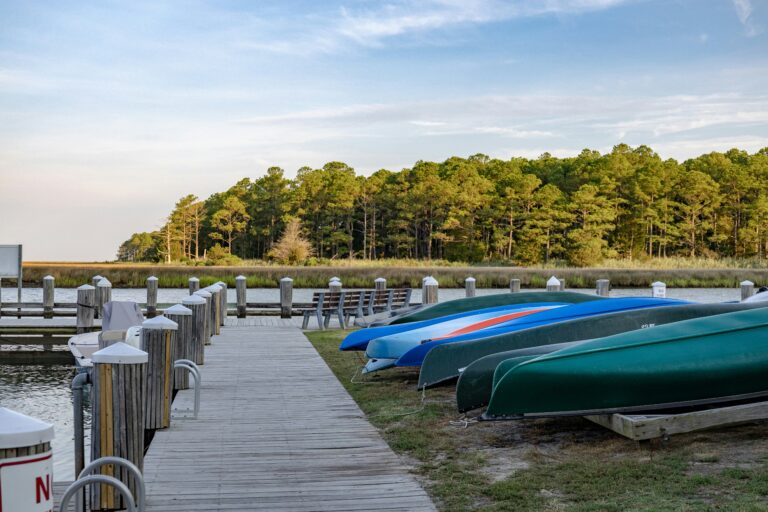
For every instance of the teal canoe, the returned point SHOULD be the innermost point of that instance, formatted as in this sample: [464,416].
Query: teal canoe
[716,359]
[452,307]
[478,359]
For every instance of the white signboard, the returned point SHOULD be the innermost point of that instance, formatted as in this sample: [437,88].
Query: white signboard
[26,484]
[10,261]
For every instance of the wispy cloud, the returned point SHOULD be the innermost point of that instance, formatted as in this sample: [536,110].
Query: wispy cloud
[744,13]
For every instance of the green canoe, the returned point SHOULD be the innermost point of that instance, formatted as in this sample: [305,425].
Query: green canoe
[715,359]
[443,362]
[489,301]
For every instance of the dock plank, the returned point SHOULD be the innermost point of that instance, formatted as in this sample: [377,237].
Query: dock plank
[276,431]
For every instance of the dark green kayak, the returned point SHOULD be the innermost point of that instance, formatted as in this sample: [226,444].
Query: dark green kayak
[489,301]
[708,360]
[481,357]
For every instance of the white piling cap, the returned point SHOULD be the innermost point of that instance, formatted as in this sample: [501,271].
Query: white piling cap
[240,278]
[379,280]
[747,283]
[151,278]
[120,353]
[48,277]
[214,288]
[193,300]
[179,310]
[430,281]
[287,279]
[104,283]
[194,279]
[657,284]
[334,278]
[97,277]
[160,322]
[470,280]
[86,287]
[203,293]
[221,283]
[18,430]
[553,281]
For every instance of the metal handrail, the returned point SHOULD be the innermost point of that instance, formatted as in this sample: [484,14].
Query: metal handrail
[99,479]
[194,370]
[141,491]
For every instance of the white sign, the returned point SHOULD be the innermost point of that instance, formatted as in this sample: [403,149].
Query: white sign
[26,484]
[10,261]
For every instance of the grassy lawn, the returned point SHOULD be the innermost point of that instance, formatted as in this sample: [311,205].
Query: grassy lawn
[551,464]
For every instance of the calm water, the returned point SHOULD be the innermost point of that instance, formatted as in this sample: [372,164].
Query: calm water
[44,391]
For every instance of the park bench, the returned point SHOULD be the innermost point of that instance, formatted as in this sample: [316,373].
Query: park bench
[326,305]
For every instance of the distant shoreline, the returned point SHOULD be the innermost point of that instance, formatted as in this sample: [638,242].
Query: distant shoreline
[123,275]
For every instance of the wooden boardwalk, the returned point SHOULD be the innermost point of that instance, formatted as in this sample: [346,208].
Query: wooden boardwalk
[277,432]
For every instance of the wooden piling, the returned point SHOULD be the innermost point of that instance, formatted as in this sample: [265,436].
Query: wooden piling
[469,286]
[603,287]
[183,317]
[48,296]
[118,397]
[215,291]
[95,283]
[562,284]
[207,331]
[286,297]
[196,346]
[747,289]
[103,295]
[553,284]
[241,294]
[429,290]
[86,304]
[151,297]
[334,285]
[224,303]
[514,285]
[659,290]
[158,340]
[194,285]
[380,283]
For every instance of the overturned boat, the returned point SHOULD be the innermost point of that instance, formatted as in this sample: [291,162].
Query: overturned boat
[121,322]
[715,359]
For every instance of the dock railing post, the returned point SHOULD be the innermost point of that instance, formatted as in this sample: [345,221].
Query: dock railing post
[182,315]
[194,285]
[86,304]
[553,284]
[334,284]
[158,340]
[103,295]
[380,284]
[286,297]
[215,291]
[196,347]
[241,292]
[151,297]
[469,286]
[223,299]
[514,285]
[747,289]
[659,290]
[603,287]
[429,290]
[95,283]
[118,399]
[205,294]
[48,296]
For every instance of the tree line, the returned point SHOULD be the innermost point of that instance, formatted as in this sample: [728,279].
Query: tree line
[628,203]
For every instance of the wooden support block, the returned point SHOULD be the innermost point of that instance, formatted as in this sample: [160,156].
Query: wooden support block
[651,426]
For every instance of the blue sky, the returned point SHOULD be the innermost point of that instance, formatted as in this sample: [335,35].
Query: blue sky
[111,111]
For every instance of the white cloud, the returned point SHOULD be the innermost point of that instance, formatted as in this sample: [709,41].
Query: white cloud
[744,13]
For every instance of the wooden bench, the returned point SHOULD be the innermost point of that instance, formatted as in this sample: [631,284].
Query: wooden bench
[387,300]
[343,305]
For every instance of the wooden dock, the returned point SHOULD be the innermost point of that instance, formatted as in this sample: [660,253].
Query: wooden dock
[277,432]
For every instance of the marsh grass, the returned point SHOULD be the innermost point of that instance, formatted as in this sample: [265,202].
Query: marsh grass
[551,464]
[362,275]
